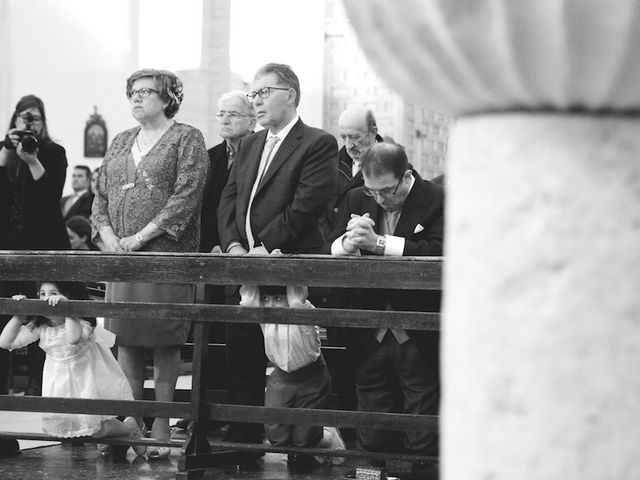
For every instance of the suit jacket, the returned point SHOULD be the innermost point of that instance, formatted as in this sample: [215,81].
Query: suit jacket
[424,206]
[291,197]
[81,207]
[217,179]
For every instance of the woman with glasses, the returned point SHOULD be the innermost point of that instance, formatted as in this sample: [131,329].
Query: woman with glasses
[148,198]
[32,174]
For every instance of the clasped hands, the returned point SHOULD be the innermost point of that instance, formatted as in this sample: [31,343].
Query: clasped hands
[113,243]
[360,234]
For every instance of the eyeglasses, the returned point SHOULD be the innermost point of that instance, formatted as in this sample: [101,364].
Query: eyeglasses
[230,115]
[263,93]
[384,192]
[142,93]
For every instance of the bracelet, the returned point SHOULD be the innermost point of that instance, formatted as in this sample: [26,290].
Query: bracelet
[381,242]
[139,237]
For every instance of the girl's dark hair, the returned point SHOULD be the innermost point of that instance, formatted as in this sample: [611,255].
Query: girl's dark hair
[80,226]
[71,290]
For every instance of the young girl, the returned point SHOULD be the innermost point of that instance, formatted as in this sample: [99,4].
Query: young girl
[78,364]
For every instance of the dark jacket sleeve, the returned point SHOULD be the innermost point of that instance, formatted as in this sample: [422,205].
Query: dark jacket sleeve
[227,208]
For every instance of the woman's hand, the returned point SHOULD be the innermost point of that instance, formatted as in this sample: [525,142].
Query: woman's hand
[110,241]
[13,137]
[130,244]
[28,158]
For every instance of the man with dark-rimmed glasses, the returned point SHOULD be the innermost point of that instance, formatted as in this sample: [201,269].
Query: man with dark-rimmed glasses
[397,213]
[278,187]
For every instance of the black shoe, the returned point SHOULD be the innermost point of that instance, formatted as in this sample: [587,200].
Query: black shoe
[9,447]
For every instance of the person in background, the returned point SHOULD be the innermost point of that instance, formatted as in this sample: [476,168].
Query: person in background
[394,213]
[236,119]
[79,231]
[278,186]
[149,199]
[78,203]
[358,130]
[31,182]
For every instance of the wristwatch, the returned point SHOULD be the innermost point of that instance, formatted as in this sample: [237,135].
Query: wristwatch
[139,237]
[381,241]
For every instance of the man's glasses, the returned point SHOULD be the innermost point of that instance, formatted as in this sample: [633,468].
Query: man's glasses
[230,115]
[384,192]
[142,93]
[263,93]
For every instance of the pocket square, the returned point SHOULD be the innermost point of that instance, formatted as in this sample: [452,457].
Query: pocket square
[418,229]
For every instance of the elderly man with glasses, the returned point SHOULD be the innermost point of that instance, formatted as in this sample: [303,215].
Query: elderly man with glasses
[278,187]
[397,213]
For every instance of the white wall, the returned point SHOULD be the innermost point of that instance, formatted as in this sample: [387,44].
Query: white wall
[74,54]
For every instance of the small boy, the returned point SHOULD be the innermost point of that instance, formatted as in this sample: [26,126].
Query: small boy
[300,378]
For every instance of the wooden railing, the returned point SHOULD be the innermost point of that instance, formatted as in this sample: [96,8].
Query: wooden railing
[422,273]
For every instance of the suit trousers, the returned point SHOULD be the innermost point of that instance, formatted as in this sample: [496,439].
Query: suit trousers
[394,378]
[246,369]
[307,387]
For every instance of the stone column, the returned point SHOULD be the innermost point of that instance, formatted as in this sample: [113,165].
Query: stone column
[542,318]
[541,325]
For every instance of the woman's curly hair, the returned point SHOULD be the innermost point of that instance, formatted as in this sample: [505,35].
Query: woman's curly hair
[168,84]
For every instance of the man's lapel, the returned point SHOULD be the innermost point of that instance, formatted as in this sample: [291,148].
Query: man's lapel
[411,210]
[289,145]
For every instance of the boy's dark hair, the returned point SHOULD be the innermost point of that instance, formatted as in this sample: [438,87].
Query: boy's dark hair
[272,290]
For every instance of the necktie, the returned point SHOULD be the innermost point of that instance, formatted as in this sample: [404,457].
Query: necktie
[388,227]
[264,164]
[231,156]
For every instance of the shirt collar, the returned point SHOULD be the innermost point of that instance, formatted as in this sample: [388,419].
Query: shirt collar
[282,134]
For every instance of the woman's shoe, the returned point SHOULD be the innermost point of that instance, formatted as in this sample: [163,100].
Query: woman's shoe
[136,432]
[158,453]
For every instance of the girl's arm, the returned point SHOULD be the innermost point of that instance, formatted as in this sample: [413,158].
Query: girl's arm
[72,330]
[10,332]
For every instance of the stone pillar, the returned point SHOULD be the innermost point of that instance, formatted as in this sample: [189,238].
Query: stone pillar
[542,321]
[541,325]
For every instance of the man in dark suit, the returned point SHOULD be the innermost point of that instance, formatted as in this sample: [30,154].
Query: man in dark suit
[237,119]
[394,213]
[79,203]
[278,187]
[358,130]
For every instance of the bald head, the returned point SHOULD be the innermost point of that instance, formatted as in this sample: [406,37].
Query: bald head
[358,130]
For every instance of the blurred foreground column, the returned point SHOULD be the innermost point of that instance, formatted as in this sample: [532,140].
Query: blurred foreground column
[541,327]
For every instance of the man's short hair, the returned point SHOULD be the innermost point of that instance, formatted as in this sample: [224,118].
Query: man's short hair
[86,169]
[382,158]
[242,98]
[285,75]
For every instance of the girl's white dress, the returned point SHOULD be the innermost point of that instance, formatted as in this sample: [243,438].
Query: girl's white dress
[85,370]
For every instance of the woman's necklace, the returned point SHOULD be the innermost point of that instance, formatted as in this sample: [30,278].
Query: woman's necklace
[144,141]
